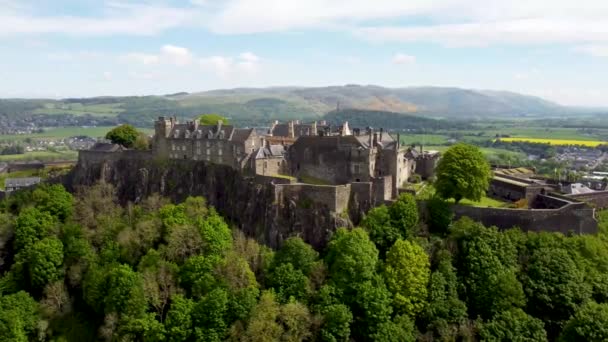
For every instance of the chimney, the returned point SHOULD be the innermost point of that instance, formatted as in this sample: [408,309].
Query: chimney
[314,128]
[421,149]
[370,133]
[375,139]
[219,127]
[290,131]
[398,140]
[381,133]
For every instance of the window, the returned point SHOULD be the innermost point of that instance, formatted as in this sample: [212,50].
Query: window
[173,147]
[207,143]
[219,151]
[208,151]
[184,148]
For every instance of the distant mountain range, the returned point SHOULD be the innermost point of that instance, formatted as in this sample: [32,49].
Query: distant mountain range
[255,106]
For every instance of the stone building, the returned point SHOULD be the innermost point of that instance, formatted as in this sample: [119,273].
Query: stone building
[348,157]
[269,160]
[219,144]
[288,133]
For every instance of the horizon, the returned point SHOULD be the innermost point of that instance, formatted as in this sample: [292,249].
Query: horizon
[74,49]
[294,86]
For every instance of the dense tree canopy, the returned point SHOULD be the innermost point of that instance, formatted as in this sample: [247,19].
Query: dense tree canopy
[82,268]
[462,172]
[212,119]
[125,135]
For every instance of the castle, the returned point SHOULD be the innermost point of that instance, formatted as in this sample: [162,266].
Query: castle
[312,153]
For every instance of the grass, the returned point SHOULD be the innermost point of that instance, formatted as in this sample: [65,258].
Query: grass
[41,156]
[108,109]
[66,132]
[312,180]
[424,139]
[428,191]
[557,142]
[489,152]
[42,173]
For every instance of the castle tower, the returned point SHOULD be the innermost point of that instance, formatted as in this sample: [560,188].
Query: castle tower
[345,129]
[313,131]
[162,130]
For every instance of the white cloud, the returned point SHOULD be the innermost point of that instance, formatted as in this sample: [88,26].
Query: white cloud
[225,66]
[141,58]
[116,18]
[176,55]
[594,50]
[107,76]
[402,58]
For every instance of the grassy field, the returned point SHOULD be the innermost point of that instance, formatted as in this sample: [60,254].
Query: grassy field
[109,109]
[41,156]
[66,132]
[428,191]
[425,139]
[557,142]
[489,152]
[42,173]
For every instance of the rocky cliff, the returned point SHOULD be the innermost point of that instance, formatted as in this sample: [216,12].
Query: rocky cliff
[257,205]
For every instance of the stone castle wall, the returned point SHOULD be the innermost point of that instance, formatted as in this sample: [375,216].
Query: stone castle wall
[598,199]
[570,217]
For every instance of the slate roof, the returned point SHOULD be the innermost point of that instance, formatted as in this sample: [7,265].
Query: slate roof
[21,182]
[271,151]
[242,134]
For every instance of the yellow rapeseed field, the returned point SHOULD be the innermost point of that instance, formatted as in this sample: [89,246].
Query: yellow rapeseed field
[564,142]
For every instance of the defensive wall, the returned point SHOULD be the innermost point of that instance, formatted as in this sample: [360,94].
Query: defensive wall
[598,199]
[564,216]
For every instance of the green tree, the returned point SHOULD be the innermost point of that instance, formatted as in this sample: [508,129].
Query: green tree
[371,306]
[400,329]
[288,282]
[352,258]
[296,321]
[212,119]
[179,319]
[215,233]
[209,316]
[555,286]
[440,215]
[44,262]
[513,325]
[298,253]
[589,323]
[125,135]
[336,323]
[462,172]
[262,325]
[380,227]
[142,142]
[445,311]
[30,226]
[404,215]
[18,317]
[124,292]
[53,199]
[407,273]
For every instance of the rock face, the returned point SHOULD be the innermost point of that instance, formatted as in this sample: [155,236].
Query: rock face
[259,206]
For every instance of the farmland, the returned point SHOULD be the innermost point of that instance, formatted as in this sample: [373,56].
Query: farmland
[557,142]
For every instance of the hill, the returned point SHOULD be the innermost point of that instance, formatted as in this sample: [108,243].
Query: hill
[253,106]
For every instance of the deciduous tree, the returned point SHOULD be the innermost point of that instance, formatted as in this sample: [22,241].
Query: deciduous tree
[462,172]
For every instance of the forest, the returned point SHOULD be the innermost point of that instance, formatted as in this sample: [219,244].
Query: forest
[81,267]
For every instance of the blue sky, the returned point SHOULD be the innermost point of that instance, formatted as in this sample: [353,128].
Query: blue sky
[64,48]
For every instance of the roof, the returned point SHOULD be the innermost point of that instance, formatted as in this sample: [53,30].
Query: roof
[242,134]
[21,182]
[186,131]
[106,147]
[576,189]
[510,181]
[272,151]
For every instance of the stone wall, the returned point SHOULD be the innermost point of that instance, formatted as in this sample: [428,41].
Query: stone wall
[573,217]
[598,199]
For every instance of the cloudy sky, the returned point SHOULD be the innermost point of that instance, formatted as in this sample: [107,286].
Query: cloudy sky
[557,49]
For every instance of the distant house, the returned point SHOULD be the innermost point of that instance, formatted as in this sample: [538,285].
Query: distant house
[14,184]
